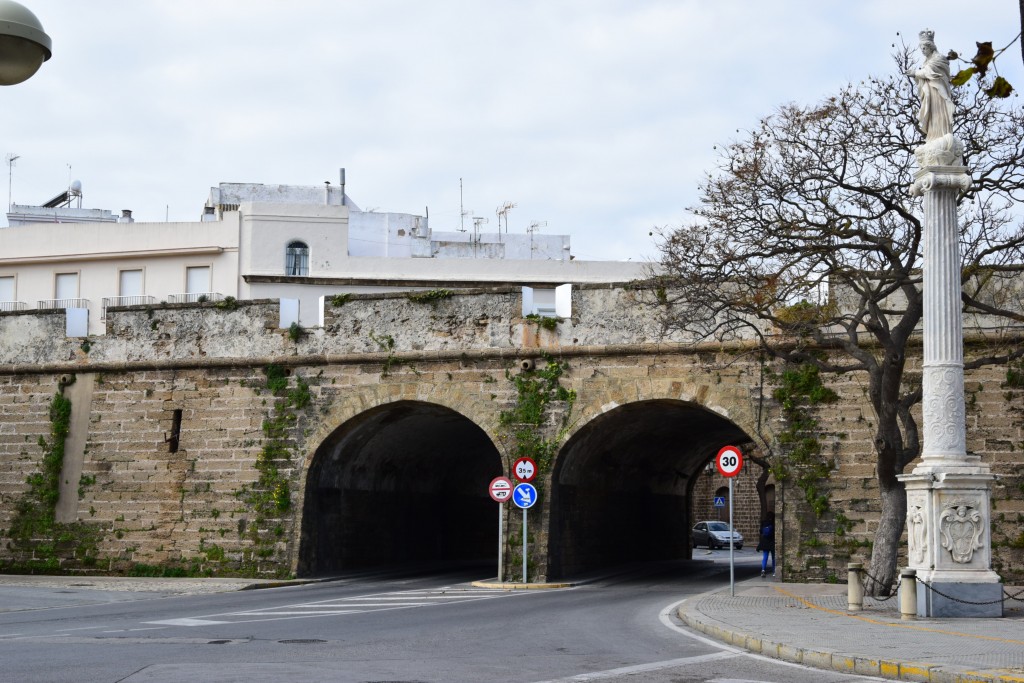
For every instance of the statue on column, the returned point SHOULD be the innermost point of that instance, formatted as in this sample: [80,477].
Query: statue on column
[936,113]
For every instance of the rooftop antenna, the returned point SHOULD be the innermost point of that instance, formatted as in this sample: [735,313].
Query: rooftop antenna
[477,222]
[534,227]
[502,213]
[11,158]
[462,210]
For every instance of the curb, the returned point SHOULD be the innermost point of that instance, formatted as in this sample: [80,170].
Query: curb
[821,659]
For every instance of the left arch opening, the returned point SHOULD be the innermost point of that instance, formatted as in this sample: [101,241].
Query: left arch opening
[400,484]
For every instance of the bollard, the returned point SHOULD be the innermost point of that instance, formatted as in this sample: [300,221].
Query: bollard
[908,594]
[854,587]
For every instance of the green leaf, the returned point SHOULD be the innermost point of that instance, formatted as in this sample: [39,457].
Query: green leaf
[1000,88]
[984,57]
[962,77]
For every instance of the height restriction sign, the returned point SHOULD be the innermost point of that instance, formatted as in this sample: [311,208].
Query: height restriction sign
[524,469]
[729,461]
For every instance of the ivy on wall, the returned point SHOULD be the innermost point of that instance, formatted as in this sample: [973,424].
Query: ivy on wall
[269,498]
[527,422]
[800,392]
[36,538]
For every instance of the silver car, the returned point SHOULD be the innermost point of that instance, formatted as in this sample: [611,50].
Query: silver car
[715,535]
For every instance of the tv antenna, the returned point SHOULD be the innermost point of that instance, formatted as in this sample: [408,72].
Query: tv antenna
[11,158]
[502,213]
[463,212]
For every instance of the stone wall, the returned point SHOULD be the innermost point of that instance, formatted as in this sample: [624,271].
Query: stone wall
[149,504]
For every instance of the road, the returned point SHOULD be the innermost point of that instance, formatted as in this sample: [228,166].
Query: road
[386,630]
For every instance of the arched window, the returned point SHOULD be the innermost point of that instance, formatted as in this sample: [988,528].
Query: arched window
[296,259]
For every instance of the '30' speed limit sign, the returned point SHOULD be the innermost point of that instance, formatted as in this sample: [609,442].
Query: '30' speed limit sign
[729,461]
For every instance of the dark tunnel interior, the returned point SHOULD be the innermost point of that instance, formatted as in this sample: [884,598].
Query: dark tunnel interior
[401,485]
[621,485]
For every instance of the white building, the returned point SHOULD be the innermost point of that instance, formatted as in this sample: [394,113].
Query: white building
[267,241]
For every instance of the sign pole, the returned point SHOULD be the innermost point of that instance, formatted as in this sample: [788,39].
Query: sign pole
[732,562]
[500,544]
[524,545]
[729,462]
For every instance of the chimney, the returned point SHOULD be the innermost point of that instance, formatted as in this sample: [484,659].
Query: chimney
[126,216]
[209,214]
[343,187]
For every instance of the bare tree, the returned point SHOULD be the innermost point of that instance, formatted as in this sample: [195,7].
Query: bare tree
[806,240]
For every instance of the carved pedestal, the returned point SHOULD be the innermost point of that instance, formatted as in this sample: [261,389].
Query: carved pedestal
[948,515]
[949,493]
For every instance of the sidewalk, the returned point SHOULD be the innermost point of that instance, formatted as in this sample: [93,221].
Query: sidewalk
[809,624]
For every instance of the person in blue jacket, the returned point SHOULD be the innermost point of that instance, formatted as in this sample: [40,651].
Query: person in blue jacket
[766,543]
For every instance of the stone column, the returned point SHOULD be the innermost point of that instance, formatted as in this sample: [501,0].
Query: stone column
[949,493]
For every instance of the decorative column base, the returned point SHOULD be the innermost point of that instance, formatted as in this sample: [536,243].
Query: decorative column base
[949,534]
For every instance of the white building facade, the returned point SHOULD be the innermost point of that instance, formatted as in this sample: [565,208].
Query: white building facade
[268,241]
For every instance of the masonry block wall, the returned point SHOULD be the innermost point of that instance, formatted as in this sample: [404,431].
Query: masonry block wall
[148,498]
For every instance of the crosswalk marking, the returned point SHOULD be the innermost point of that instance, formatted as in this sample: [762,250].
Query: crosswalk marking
[358,604]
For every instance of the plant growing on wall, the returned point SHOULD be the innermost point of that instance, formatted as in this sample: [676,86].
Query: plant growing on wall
[34,531]
[269,498]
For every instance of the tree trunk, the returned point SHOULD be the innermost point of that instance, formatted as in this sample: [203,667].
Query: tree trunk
[882,572]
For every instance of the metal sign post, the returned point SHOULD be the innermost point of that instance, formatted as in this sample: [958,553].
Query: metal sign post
[500,490]
[732,554]
[524,496]
[729,463]
[524,546]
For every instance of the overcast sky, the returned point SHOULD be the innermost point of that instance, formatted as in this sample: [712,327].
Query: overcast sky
[596,116]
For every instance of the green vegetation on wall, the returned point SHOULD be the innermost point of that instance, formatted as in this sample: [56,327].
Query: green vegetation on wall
[38,541]
[269,498]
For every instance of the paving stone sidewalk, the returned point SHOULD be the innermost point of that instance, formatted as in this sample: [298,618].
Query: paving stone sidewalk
[809,624]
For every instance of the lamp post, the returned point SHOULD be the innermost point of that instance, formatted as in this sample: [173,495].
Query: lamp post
[24,46]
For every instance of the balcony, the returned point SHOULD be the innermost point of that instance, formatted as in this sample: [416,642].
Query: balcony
[8,306]
[194,297]
[137,300]
[59,304]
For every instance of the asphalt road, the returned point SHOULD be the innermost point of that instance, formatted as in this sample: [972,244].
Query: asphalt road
[387,630]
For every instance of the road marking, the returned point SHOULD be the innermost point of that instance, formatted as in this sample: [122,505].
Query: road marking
[186,622]
[642,668]
[357,604]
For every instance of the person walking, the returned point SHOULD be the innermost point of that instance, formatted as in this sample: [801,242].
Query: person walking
[766,543]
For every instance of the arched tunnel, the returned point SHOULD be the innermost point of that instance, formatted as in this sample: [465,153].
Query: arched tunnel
[621,485]
[400,485]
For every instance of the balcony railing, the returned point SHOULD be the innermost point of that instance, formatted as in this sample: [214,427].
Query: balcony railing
[138,300]
[7,306]
[194,297]
[58,304]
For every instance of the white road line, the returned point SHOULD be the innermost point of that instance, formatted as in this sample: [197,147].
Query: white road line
[186,622]
[642,668]
[305,613]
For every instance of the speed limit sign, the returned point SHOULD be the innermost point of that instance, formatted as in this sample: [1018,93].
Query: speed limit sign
[729,461]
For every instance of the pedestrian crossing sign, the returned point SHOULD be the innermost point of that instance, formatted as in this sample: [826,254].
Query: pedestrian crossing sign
[719,501]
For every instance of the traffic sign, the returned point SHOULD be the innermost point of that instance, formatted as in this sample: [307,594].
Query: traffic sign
[729,461]
[524,469]
[500,489]
[524,496]
[719,501]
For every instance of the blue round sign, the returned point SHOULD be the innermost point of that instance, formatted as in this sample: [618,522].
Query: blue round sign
[524,496]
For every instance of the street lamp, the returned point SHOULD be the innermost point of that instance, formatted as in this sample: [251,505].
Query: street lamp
[24,46]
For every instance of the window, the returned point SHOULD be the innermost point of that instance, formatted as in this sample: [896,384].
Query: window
[66,286]
[197,280]
[296,259]
[7,288]
[130,283]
